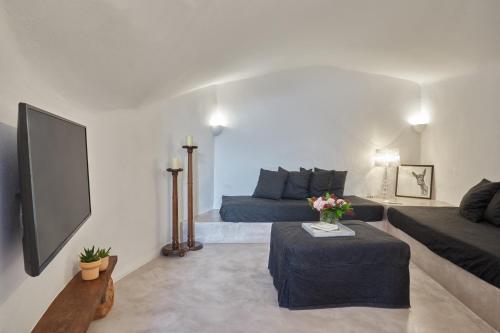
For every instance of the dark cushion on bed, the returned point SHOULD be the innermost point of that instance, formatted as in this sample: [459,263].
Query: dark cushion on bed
[249,209]
[297,184]
[473,246]
[320,182]
[492,212]
[337,182]
[476,200]
[271,184]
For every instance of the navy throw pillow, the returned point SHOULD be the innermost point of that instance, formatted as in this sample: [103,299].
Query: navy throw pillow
[271,184]
[297,184]
[475,201]
[337,183]
[320,182]
[492,212]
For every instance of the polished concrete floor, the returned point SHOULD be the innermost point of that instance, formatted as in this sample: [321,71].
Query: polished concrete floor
[226,288]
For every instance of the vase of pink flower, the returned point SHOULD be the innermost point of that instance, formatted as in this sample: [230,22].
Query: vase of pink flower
[330,208]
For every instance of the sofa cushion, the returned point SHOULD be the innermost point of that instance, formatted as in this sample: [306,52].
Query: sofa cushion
[297,184]
[476,200]
[492,212]
[271,184]
[337,183]
[320,182]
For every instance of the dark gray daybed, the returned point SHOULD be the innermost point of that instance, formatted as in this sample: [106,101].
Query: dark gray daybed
[474,247]
[249,209]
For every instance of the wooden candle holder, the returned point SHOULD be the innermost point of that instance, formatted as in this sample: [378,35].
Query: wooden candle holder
[191,243]
[175,247]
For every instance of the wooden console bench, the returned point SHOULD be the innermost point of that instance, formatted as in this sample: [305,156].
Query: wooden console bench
[79,303]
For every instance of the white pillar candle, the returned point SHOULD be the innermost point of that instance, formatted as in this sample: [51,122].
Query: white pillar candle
[189,140]
[176,164]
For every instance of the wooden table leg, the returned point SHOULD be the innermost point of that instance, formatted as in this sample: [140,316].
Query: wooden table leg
[106,302]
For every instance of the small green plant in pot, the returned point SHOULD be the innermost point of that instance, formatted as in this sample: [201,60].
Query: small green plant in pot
[104,255]
[89,263]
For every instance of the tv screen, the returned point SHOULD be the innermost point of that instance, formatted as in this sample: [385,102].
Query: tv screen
[54,178]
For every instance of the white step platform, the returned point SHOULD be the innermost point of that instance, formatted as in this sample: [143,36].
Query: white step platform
[209,228]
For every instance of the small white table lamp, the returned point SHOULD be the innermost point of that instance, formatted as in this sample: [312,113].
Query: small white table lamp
[386,158]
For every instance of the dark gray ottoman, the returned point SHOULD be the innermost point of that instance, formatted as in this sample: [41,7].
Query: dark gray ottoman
[369,269]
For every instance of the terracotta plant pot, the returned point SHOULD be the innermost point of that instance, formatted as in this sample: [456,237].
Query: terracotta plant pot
[90,270]
[104,264]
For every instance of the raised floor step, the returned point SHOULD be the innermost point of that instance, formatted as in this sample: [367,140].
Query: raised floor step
[209,228]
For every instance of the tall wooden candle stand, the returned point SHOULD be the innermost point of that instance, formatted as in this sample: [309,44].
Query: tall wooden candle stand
[174,248]
[191,243]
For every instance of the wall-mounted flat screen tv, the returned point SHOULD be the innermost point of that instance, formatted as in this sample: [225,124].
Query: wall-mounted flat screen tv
[54,178]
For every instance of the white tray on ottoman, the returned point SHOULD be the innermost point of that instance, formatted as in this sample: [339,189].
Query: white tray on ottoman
[343,231]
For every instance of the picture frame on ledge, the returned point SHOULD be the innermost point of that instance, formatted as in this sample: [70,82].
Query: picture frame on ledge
[415,181]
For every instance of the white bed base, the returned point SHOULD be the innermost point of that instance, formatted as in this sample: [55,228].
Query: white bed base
[479,296]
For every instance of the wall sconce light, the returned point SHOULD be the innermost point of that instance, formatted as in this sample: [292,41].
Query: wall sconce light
[217,130]
[218,123]
[419,122]
[419,128]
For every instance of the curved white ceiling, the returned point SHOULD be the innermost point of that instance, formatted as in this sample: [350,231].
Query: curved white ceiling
[110,54]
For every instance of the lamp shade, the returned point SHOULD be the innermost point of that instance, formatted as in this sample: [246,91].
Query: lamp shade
[387,157]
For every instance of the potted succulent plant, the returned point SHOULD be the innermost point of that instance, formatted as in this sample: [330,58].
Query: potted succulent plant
[89,263]
[104,255]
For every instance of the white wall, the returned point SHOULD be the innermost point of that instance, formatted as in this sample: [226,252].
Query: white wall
[128,152]
[184,115]
[322,117]
[124,179]
[123,148]
[462,139]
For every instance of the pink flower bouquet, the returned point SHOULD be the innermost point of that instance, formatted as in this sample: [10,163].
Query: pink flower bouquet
[330,207]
